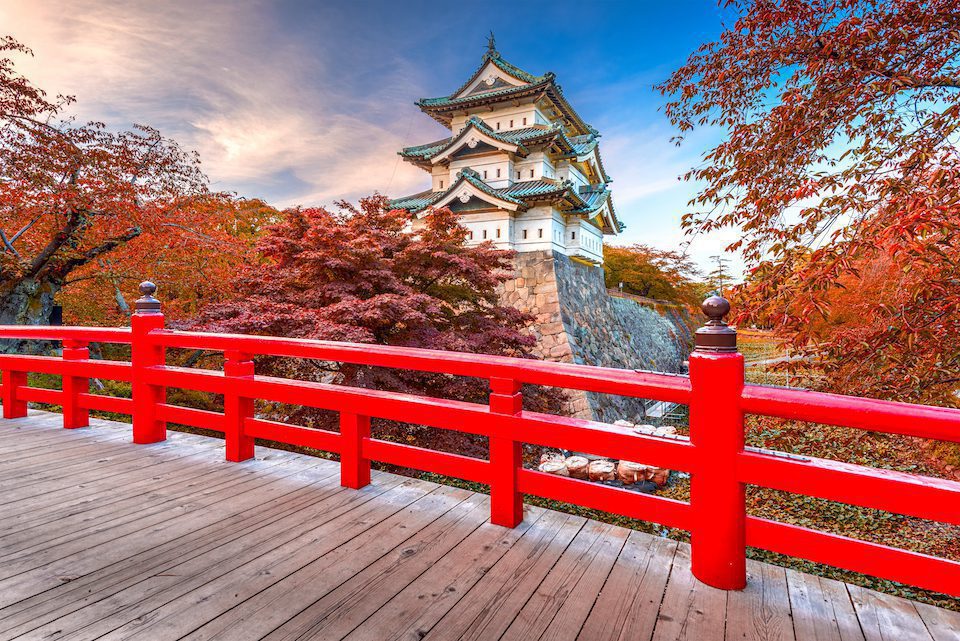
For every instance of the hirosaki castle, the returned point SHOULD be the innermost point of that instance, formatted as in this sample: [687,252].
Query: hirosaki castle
[521,167]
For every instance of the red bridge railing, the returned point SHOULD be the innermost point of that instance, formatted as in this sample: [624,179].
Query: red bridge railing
[714,454]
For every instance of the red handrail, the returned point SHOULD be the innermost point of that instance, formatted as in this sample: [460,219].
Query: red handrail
[715,455]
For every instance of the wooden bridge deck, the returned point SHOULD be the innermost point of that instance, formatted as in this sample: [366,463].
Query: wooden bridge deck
[103,539]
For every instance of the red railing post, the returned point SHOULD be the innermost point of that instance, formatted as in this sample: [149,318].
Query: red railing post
[12,381]
[73,415]
[506,457]
[144,353]
[354,468]
[236,407]
[718,537]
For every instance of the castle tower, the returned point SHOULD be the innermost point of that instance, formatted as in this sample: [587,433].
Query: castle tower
[520,167]
[523,170]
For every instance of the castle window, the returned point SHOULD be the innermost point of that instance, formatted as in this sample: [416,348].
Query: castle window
[511,124]
[573,235]
[531,173]
[498,232]
[484,174]
[441,184]
[524,234]
[498,125]
[498,173]
[484,234]
[540,233]
[470,235]
[518,175]
[524,121]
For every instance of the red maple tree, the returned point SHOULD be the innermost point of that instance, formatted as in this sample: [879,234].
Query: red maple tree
[357,273]
[76,199]
[840,155]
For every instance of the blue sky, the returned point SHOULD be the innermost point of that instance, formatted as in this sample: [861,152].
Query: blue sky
[307,102]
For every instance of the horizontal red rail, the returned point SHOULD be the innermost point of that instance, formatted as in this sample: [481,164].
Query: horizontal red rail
[924,421]
[714,454]
[108,370]
[418,458]
[605,380]
[293,435]
[645,507]
[190,416]
[40,395]
[894,564]
[106,403]
[120,335]
[924,497]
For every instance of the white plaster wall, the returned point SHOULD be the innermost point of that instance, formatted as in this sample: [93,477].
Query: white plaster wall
[536,166]
[566,171]
[503,116]
[583,239]
[540,225]
[490,164]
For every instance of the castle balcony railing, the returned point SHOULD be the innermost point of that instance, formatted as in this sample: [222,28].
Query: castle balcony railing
[715,455]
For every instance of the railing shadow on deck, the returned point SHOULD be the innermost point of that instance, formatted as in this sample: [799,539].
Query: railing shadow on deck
[715,454]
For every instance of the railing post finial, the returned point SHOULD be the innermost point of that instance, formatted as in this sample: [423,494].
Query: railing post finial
[147,304]
[716,335]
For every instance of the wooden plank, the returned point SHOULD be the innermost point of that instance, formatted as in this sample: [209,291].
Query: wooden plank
[690,611]
[884,617]
[762,610]
[53,510]
[95,463]
[40,500]
[23,439]
[487,610]
[822,609]
[310,603]
[46,426]
[48,568]
[185,489]
[943,625]
[219,544]
[331,553]
[20,455]
[99,467]
[630,598]
[561,604]
[115,603]
[418,607]
[162,493]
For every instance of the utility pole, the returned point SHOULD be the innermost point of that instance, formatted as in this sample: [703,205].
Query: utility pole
[719,273]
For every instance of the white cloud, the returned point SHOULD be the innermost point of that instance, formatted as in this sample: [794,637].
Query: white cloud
[266,114]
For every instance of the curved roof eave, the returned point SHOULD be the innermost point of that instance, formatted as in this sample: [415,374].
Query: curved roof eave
[475,124]
[510,69]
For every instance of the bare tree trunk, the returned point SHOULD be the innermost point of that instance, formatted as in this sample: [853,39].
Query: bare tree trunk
[28,301]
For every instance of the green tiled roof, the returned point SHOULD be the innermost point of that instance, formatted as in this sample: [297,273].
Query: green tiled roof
[535,188]
[592,199]
[522,137]
[503,65]
[583,144]
[505,92]
[472,177]
[427,150]
[416,202]
[522,193]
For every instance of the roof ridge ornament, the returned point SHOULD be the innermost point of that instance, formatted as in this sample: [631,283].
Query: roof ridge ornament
[492,46]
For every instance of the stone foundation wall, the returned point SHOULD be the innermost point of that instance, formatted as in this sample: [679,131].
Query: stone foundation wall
[576,321]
